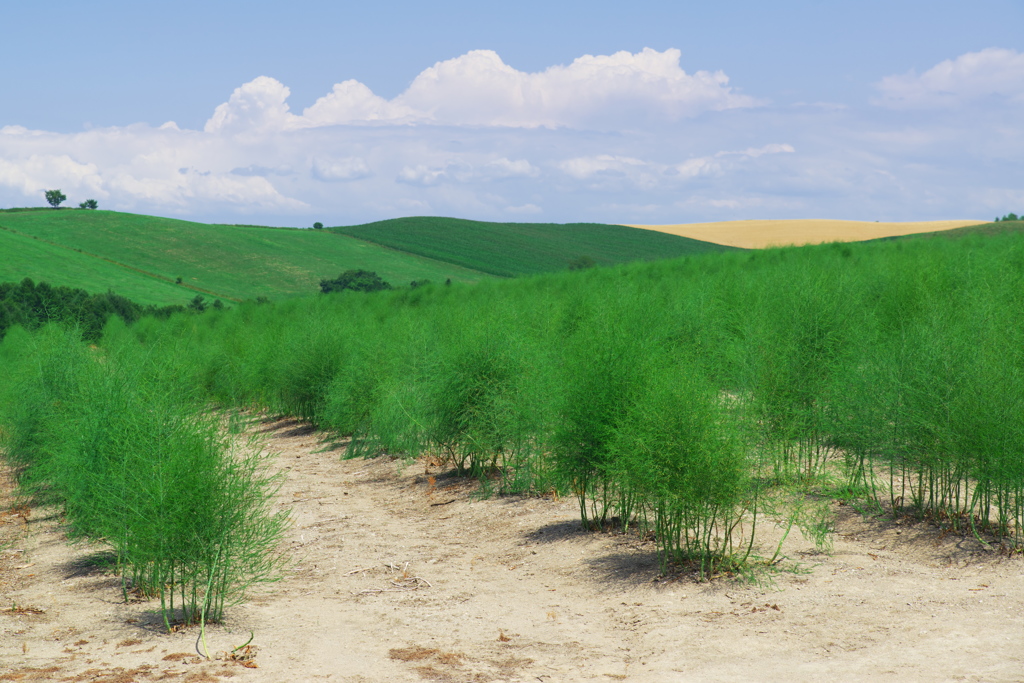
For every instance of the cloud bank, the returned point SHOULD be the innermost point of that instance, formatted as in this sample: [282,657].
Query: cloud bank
[991,75]
[627,137]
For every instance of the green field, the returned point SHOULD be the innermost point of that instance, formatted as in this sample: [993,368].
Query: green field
[142,256]
[997,228]
[511,249]
[23,256]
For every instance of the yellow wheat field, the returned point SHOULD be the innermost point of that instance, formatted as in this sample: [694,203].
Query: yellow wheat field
[758,234]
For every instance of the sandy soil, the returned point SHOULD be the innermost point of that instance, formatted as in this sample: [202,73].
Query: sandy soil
[400,577]
[771,233]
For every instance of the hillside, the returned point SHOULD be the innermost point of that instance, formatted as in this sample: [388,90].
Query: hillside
[22,256]
[997,228]
[141,257]
[511,249]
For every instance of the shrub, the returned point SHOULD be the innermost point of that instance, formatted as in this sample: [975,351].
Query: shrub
[355,280]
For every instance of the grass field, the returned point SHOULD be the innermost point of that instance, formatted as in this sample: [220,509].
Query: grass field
[232,262]
[997,228]
[41,261]
[511,249]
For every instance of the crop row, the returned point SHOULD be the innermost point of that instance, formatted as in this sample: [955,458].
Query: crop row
[689,397]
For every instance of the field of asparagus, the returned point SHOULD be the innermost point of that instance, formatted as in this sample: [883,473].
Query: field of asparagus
[687,399]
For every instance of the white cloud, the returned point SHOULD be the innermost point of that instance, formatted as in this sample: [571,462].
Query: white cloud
[422,175]
[259,106]
[506,168]
[612,168]
[352,102]
[35,174]
[479,89]
[755,152]
[349,168]
[990,73]
[582,168]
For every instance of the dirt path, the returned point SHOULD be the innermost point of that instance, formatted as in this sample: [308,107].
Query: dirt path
[394,579]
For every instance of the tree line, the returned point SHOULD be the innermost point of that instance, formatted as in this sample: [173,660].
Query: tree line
[32,305]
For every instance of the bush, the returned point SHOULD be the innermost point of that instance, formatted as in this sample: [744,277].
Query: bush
[355,280]
[138,463]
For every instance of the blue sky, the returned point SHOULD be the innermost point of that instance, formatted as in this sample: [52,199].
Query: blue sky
[661,112]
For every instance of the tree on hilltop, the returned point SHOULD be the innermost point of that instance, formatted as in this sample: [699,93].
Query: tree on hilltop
[89,204]
[54,197]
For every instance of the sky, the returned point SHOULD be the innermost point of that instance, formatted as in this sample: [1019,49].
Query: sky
[657,112]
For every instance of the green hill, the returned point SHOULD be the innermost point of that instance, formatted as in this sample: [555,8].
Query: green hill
[510,249]
[141,257]
[22,256]
[996,228]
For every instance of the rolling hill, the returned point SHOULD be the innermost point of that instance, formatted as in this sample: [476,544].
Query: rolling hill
[143,257]
[511,249]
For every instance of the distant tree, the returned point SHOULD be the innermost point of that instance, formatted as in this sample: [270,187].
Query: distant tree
[419,283]
[54,197]
[355,280]
[318,225]
[198,304]
[89,204]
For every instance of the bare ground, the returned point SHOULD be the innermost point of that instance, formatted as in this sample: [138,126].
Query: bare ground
[399,577]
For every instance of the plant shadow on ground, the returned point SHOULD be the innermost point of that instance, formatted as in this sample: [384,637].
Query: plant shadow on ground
[98,563]
[627,568]
[929,540]
[557,532]
[286,427]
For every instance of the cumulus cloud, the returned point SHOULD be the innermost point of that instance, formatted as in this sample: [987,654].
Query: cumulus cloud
[33,174]
[259,106]
[993,73]
[352,102]
[479,89]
